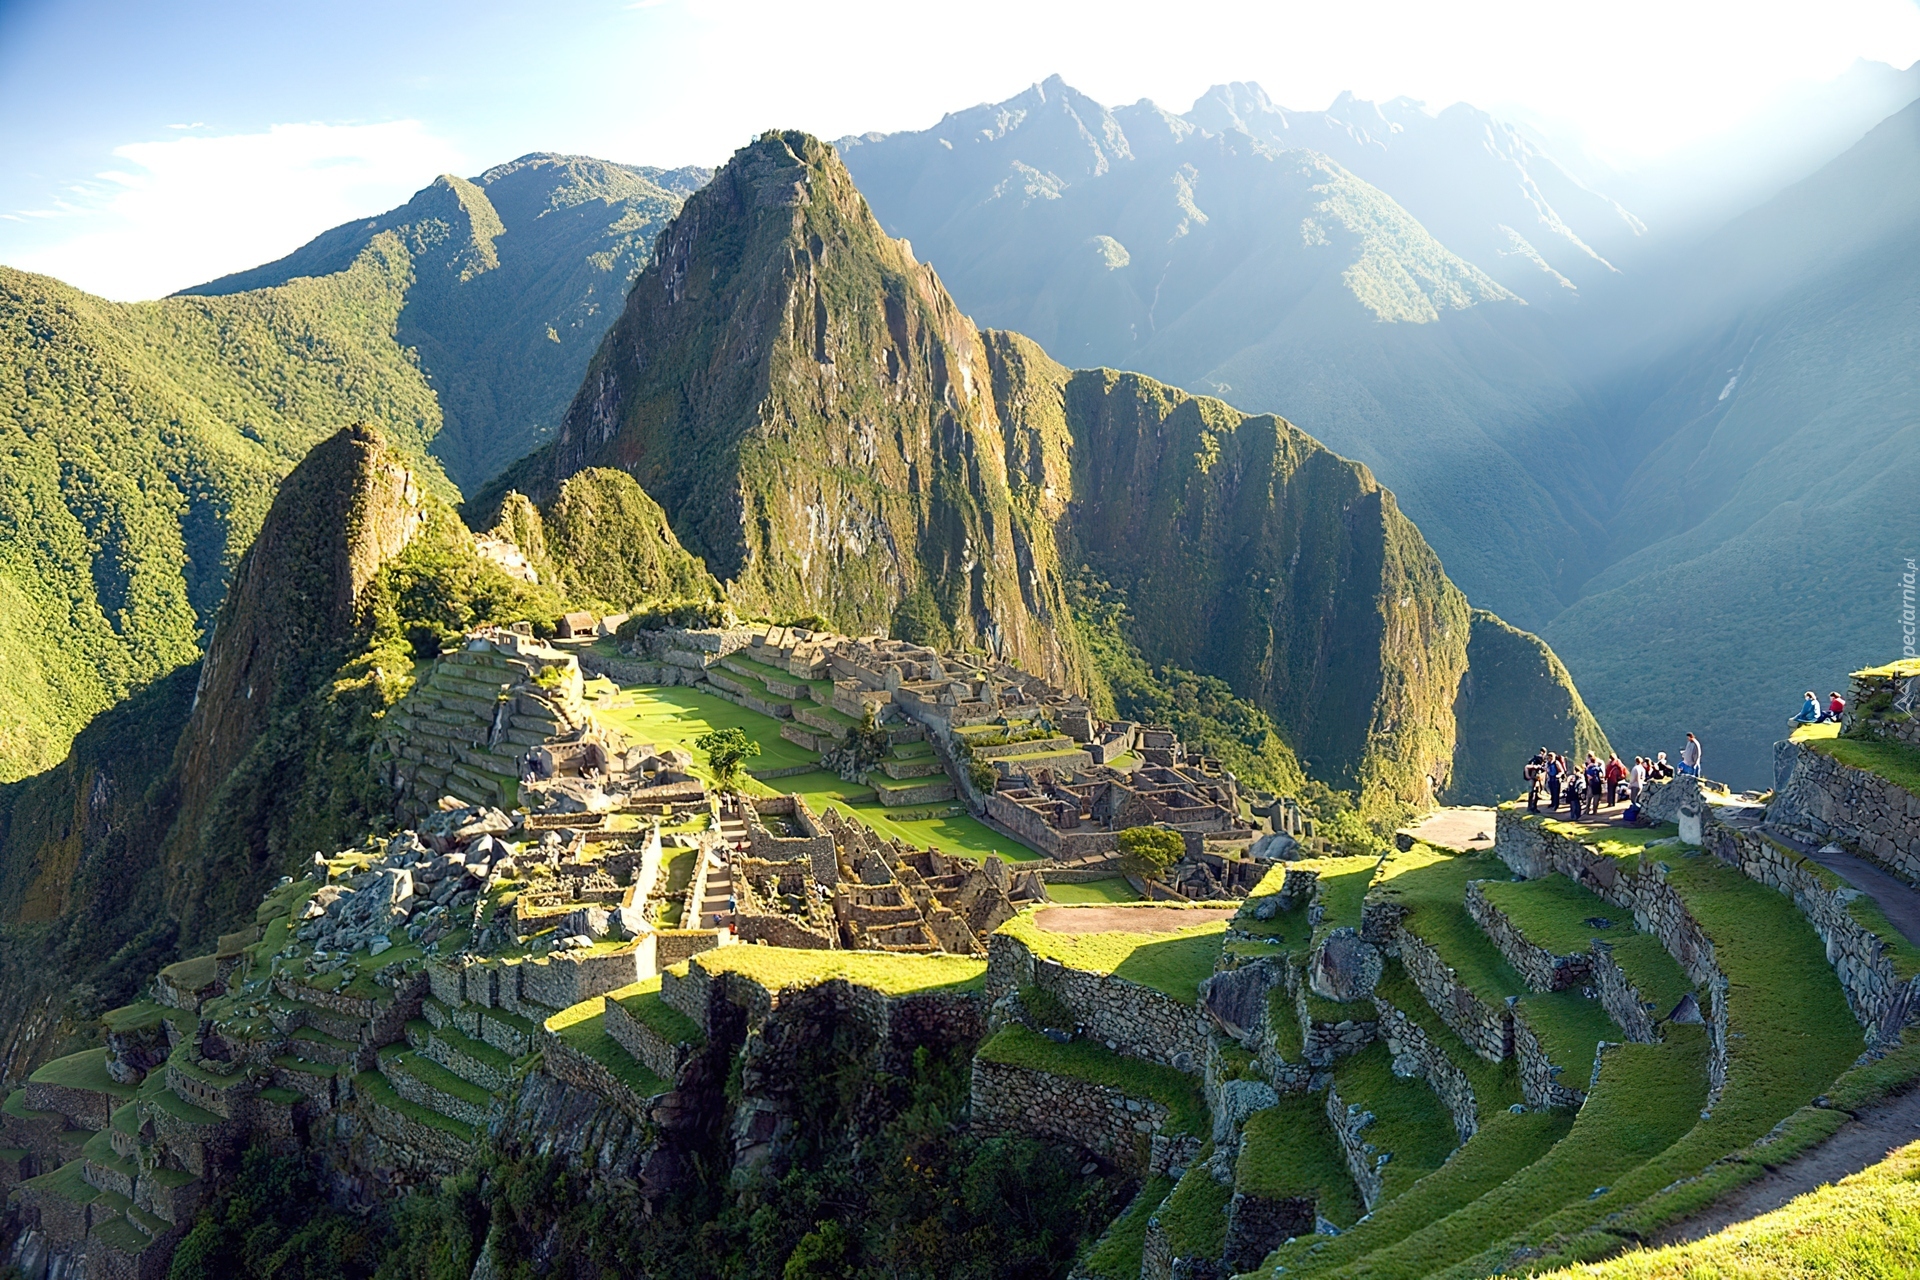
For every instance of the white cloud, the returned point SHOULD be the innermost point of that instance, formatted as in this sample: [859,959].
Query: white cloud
[188,209]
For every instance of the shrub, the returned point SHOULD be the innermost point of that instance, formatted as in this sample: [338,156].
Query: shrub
[686,615]
[1148,851]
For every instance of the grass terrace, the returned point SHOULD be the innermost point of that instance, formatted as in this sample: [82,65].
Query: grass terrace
[1195,1215]
[642,1001]
[1897,762]
[1408,1118]
[1179,1093]
[1173,962]
[84,1070]
[583,1027]
[1557,914]
[1432,885]
[778,968]
[374,1086]
[1115,889]
[677,715]
[1790,1037]
[1116,1256]
[1290,1150]
[1496,1085]
[1864,1225]
[1647,1097]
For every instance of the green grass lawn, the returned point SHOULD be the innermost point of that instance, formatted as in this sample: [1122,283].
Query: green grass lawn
[1864,1225]
[1179,1093]
[376,1087]
[1290,1150]
[1409,1119]
[1115,889]
[777,968]
[1172,962]
[676,715]
[954,831]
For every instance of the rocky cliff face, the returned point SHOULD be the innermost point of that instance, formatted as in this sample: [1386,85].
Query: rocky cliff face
[816,417]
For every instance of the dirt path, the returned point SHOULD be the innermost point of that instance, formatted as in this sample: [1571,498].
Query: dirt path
[1461,829]
[1864,1141]
[1126,919]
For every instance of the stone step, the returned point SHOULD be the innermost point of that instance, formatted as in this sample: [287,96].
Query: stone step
[474,1061]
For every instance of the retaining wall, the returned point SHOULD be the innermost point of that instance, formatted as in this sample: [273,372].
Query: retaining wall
[1125,1016]
[1817,793]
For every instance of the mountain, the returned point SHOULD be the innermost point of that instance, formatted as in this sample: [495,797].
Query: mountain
[517,273]
[1769,417]
[1282,282]
[817,418]
[150,436]
[143,450]
[823,427]
[1475,182]
[174,809]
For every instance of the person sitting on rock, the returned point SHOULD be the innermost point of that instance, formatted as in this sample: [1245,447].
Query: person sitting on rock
[1836,707]
[1809,710]
[1661,770]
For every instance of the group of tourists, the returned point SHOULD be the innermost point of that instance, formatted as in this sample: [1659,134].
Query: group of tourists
[1595,785]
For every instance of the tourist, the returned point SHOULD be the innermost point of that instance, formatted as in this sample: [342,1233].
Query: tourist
[1554,774]
[1690,757]
[1809,710]
[1575,783]
[1836,707]
[1616,774]
[1596,782]
[1637,780]
[1533,788]
[1661,770]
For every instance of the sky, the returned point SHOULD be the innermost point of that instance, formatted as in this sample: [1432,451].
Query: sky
[152,145]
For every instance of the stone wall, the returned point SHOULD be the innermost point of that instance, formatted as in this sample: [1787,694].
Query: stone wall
[1881,1001]
[1540,968]
[1817,794]
[1257,1225]
[565,1063]
[1487,1030]
[1621,999]
[565,978]
[1413,1049]
[1543,1082]
[1128,1018]
[1010,1100]
[1349,1123]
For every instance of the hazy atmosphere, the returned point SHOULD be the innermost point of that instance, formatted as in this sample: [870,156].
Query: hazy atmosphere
[1032,641]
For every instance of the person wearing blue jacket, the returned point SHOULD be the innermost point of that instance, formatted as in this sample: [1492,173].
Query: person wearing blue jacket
[1810,713]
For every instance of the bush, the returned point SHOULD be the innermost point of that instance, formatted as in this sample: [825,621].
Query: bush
[1148,851]
[683,615]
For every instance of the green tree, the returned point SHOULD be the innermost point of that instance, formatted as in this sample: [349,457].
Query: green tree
[1148,851]
[726,750]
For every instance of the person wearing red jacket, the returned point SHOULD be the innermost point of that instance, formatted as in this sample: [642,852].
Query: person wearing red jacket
[1616,774]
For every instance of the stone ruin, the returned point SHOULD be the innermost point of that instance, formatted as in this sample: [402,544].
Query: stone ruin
[827,882]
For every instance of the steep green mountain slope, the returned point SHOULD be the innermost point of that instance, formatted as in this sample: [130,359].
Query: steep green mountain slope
[1281,282]
[603,539]
[1772,414]
[143,447]
[825,430]
[1515,686]
[519,272]
[816,417]
[175,809]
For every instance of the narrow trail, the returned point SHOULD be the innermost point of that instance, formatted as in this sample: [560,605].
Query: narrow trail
[1863,1141]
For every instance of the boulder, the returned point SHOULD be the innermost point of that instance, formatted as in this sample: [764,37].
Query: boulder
[1344,968]
[1237,998]
[1238,1100]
